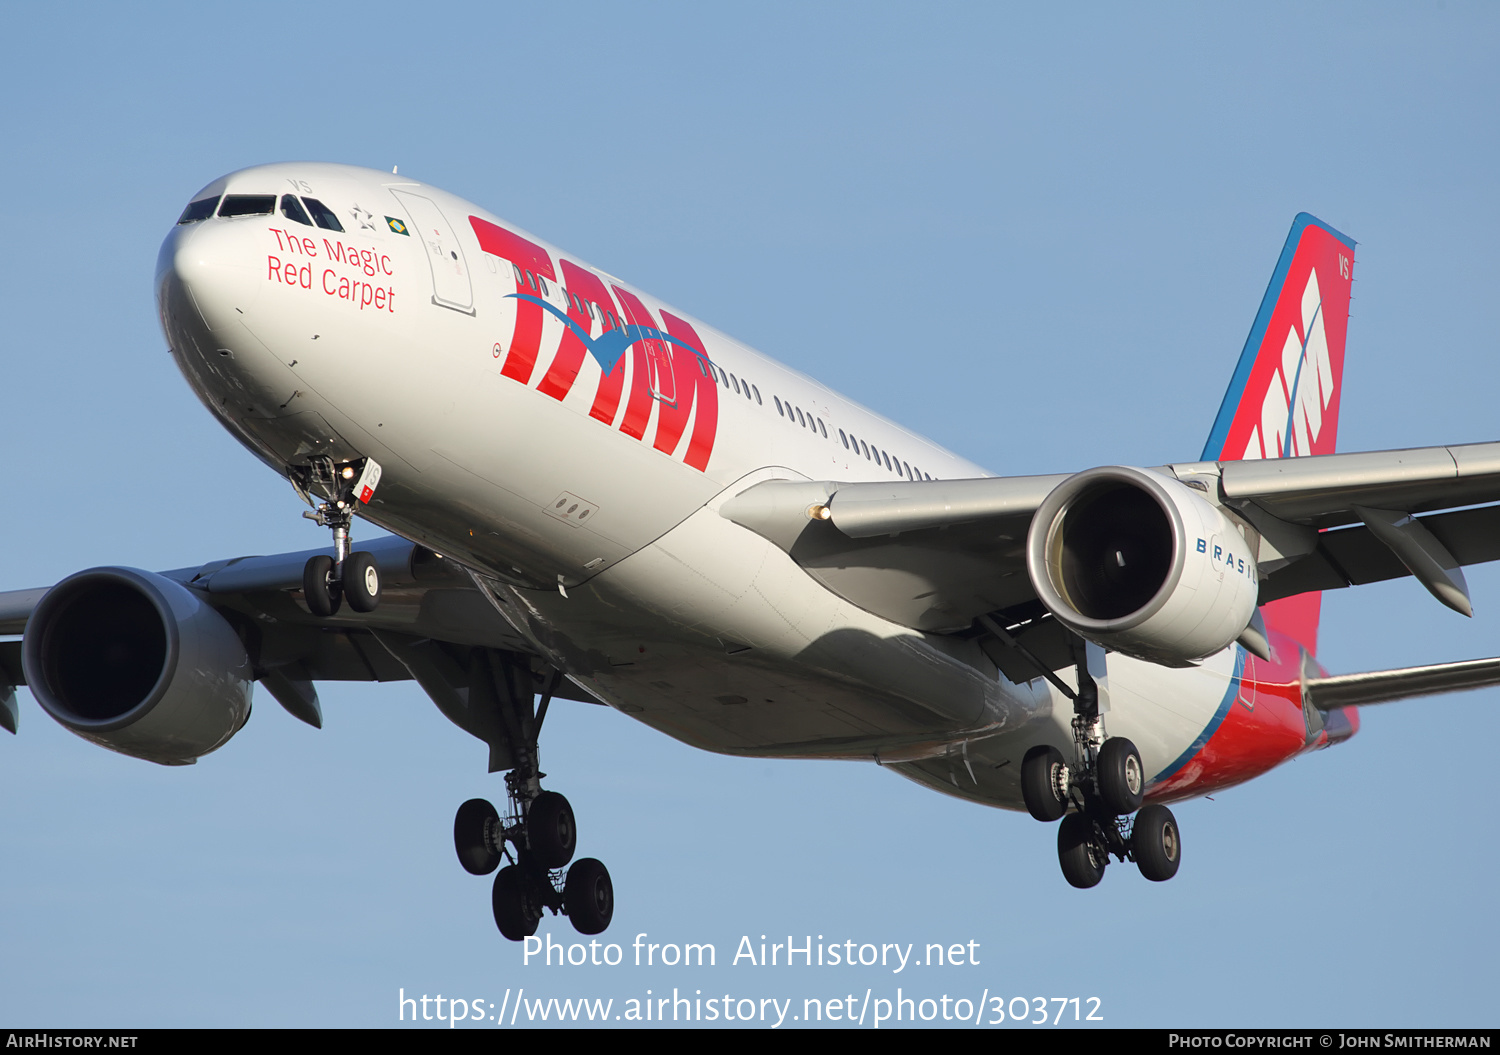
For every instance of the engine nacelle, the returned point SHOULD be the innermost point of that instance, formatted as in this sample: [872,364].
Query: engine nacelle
[1142,564]
[137,663]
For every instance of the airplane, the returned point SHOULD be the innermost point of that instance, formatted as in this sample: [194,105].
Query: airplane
[594,496]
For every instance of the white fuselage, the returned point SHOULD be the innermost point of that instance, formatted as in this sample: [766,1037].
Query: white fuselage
[412,348]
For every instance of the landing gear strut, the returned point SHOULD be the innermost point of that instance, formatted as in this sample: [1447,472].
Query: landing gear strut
[1096,796]
[328,581]
[537,834]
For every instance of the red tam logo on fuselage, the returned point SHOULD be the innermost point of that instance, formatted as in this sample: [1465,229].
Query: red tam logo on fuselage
[668,367]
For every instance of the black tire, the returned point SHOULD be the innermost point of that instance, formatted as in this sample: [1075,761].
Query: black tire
[1082,858]
[1044,777]
[1156,843]
[589,896]
[550,830]
[517,911]
[1122,778]
[476,837]
[319,590]
[361,582]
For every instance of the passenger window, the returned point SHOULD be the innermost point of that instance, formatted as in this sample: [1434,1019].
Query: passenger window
[822,429]
[292,209]
[248,205]
[844,438]
[736,382]
[745,389]
[887,458]
[800,419]
[201,209]
[323,215]
[758,401]
[520,278]
[778,406]
[866,448]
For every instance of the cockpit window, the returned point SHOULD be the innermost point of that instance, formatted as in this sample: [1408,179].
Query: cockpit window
[292,209]
[201,209]
[248,205]
[323,215]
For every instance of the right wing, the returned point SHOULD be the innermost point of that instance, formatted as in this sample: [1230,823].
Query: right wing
[433,625]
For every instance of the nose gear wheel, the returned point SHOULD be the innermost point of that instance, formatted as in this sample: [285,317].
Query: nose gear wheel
[328,581]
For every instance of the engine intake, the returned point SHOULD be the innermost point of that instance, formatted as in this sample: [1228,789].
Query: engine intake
[1142,564]
[137,663]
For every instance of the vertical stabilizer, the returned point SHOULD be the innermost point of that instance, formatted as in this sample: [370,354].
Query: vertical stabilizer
[1283,400]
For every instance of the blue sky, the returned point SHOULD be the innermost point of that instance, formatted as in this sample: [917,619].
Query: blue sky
[1038,238]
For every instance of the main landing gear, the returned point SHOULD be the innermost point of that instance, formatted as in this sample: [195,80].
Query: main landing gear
[537,835]
[1094,800]
[328,581]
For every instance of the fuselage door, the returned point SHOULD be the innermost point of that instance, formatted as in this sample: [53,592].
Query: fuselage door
[450,271]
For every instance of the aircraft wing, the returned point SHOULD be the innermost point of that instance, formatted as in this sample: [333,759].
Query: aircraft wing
[431,616]
[937,555]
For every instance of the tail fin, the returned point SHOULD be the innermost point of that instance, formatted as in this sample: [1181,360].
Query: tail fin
[1283,400]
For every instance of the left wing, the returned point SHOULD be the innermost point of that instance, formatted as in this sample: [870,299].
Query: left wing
[938,555]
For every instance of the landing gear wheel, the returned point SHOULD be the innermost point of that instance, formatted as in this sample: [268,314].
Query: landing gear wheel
[517,911]
[550,830]
[589,896]
[318,588]
[1079,852]
[1156,843]
[1044,783]
[361,582]
[477,838]
[1122,779]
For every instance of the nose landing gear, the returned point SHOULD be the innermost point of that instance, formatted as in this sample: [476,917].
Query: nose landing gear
[328,581]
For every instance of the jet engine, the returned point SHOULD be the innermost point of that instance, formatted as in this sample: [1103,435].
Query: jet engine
[137,663]
[1140,563]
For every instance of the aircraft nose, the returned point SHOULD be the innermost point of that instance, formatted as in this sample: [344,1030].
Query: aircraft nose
[207,269]
[207,288]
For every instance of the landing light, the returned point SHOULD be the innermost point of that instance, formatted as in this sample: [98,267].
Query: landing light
[818,512]
[348,472]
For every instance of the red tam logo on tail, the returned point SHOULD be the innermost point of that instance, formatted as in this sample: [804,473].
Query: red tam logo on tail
[1284,399]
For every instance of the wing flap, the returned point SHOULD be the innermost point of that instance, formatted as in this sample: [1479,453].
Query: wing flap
[1353,556]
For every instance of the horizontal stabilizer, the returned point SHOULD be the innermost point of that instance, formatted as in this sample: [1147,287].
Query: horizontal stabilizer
[1383,686]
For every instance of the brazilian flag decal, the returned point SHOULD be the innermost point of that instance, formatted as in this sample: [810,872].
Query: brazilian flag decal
[397,226]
